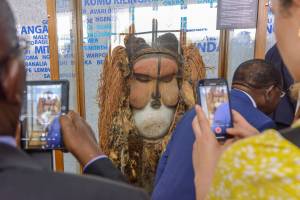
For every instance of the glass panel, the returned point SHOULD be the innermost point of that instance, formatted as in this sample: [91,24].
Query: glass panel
[105,24]
[202,32]
[271,40]
[66,34]
[241,48]
[33,26]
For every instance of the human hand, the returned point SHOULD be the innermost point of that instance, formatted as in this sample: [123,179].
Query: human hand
[79,138]
[206,153]
[241,128]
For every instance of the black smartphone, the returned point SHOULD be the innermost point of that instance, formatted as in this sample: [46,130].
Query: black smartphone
[213,96]
[44,102]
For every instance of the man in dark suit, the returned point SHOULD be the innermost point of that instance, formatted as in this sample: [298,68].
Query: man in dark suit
[255,94]
[20,176]
[283,116]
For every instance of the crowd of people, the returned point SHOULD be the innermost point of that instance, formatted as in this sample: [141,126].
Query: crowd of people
[261,161]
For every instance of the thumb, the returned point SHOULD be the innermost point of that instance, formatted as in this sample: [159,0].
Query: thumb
[234,131]
[66,124]
[238,118]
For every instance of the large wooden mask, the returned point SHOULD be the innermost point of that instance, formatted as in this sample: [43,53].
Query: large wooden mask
[143,92]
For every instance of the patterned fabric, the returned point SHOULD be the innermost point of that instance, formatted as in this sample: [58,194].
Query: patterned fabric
[261,167]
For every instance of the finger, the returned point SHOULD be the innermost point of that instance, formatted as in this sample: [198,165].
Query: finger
[77,120]
[196,128]
[66,124]
[235,132]
[81,124]
[228,143]
[237,117]
[74,116]
[203,121]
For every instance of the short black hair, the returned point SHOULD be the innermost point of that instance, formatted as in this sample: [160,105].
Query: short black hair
[8,30]
[257,73]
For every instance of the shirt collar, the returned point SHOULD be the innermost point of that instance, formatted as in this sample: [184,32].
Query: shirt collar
[248,95]
[9,140]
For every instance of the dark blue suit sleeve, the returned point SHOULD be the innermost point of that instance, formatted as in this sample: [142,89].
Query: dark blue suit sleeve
[270,54]
[164,158]
[267,125]
[163,161]
[175,175]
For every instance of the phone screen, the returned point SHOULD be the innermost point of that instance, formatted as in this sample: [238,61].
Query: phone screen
[215,103]
[41,112]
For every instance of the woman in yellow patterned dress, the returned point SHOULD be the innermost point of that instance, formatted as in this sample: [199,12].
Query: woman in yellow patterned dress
[263,166]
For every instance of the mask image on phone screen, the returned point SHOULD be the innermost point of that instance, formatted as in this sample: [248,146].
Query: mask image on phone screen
[215,104]
[43,109]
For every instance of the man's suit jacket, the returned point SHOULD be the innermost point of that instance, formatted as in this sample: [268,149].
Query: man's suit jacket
[284,114]
[21,178]
[175,175]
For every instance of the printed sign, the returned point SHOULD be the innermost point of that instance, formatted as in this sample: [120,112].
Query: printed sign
[233,14]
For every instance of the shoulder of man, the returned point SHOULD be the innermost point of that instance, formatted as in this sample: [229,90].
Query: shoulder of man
[41,184]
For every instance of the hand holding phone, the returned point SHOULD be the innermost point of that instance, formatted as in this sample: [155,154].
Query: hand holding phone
[213,96]
[44,103]
[79,138]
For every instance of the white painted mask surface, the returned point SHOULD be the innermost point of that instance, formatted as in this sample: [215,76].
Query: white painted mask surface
[153,123]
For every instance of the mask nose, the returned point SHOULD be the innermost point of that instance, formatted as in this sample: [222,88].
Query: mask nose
[156,94]
[155,103]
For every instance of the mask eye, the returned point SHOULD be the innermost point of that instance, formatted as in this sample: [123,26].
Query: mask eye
[167,78]
[142,77]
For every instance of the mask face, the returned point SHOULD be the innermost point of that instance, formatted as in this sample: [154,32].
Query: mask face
[154,94]
[155,79]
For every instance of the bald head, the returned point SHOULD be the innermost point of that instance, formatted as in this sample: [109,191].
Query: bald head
[257,73]
[12,72]
[8,32]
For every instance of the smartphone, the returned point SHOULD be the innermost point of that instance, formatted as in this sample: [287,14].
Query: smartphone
[44,102]
[213,97]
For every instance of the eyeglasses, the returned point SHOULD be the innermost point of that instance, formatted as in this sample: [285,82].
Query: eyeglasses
[249,85]
[282,93]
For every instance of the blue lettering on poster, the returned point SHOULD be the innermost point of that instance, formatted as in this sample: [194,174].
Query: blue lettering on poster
[95,48]
[100,62]
[26,30]
[211,2]
[173,2]
[36,56]
[100,11]
[270,25]
[95,55]
[208,46]
[96,2]
[87,62]
[41,49]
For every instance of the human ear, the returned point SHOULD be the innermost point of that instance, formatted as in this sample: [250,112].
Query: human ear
[12,78]
[268,93]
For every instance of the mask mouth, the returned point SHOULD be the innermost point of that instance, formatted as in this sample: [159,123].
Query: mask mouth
[156,104]
[153,124]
